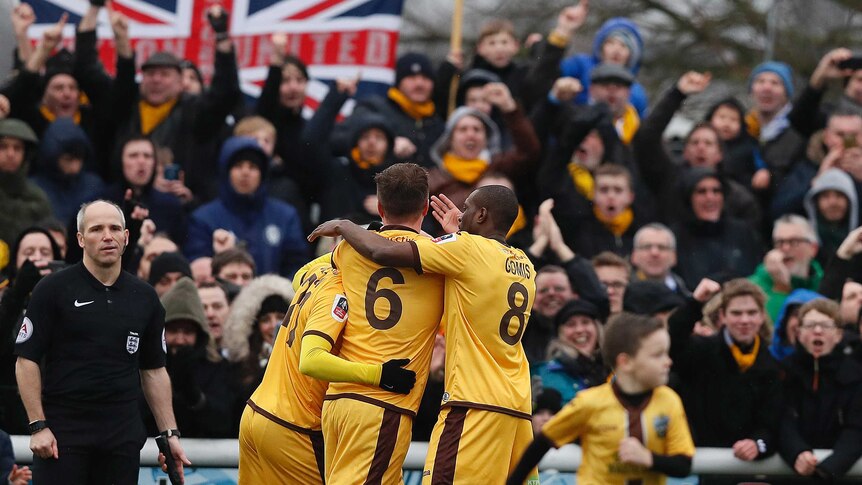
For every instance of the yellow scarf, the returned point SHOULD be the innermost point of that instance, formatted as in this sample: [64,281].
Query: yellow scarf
[152,116]
[463,170]
[417,111]
[76,118]
[361,162]
[583,179]
[618,225]
[520,222]
[745,361]
[752,124]
[51,117]
[627,125]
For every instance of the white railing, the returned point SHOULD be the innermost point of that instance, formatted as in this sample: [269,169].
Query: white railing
[707,461]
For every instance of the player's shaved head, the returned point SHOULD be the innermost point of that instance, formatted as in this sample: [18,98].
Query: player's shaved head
[501,204]
[402,190]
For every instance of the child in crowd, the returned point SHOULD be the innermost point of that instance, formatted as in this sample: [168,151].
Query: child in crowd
[614,420]
[742,161]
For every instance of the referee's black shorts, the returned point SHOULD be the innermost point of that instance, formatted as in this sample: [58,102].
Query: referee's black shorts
[96,445]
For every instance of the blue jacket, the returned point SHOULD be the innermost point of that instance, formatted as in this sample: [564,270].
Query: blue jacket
[66,192]
[581,65]
[270,229]
[780,347]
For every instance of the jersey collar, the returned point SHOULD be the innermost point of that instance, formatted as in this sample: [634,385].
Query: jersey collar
[397,227]
[96,284]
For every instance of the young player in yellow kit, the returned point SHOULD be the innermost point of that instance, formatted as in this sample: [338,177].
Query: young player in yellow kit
[632,429]
[484,424]
[394,314]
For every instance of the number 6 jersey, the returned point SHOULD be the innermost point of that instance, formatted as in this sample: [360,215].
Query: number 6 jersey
[394,314]
[490,289]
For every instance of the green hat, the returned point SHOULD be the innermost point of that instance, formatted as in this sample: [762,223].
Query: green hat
[18,129]
[182,302]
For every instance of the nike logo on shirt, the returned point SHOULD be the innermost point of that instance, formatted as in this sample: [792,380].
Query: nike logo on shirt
[78,305]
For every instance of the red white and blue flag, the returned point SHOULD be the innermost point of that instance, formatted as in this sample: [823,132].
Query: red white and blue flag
[336,38]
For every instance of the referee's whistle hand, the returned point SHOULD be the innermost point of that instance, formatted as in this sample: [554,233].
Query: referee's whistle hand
[395,378]
[44,445]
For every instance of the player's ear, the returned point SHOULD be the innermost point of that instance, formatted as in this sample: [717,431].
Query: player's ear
[380,209]
[482,216]
[425,209]
[80,239]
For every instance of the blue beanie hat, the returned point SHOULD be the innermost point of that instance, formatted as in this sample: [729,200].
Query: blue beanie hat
[780,69]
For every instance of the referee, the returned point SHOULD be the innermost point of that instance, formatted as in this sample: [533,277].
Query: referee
[91,340]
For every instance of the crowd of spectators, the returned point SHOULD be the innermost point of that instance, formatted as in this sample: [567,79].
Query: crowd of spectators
[743,239]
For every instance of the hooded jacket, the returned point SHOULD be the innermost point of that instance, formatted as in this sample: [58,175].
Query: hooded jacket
[717,250]
[514,162]
[239,328]
[66,192]
[830,235]
[269,228]
[240,324]
[581,65]
[201,399]
[780,347]
[356,182]
[828,416]
[661,174]
[23,202]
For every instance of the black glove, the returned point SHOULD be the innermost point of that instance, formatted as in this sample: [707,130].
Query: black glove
[395,378]
[26,278]
[97,3]
[219,24]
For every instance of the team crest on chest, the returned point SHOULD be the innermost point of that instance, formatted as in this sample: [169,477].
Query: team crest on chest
[272,235]
[132,342]
[660,423]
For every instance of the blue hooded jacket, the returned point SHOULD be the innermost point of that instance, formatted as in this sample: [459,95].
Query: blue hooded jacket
[66,192]
[780,347]
[269,228]
[580,66]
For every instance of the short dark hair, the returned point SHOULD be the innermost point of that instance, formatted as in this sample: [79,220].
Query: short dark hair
[705,125]
[607,258]
[624,334]
[501,203]
[402,189]
[230,256]
[613,170]
[213,284]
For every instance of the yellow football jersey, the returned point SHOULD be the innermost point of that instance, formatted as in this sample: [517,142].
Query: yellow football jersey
[285,393]
[394,314]
[490,289]
[601,421]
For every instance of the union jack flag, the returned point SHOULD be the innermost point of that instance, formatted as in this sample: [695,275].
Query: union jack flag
[336,38]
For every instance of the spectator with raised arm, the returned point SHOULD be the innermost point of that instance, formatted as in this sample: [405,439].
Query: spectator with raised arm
[810,113]
[409,107]
[158,107]
[703,149]
[729,383]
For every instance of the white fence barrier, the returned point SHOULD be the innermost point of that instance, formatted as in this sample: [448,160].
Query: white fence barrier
[225,454]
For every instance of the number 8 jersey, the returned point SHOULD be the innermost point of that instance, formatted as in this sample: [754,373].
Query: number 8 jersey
[490,289]
[394,314]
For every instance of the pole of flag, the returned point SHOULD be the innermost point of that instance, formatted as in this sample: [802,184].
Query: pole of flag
[455,43]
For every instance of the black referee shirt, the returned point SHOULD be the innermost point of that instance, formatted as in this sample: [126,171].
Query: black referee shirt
[91,340]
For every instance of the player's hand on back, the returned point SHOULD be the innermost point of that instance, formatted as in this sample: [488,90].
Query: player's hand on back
[395,378]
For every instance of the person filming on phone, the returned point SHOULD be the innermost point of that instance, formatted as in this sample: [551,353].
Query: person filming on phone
[91,342]
[839,145]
